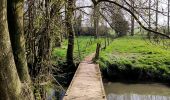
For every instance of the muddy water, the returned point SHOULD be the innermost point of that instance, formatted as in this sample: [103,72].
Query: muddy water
[125,91]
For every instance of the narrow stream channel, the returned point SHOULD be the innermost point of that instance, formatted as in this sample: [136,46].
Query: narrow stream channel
[126,91]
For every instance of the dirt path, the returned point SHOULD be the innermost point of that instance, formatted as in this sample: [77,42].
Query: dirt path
[87,82]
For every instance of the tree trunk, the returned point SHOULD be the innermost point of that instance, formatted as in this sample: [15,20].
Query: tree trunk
[70,31]
[10,84]
[132,19]
[16,30]
[168,17]
[148,35]
[97,51]
[96,20]
[156,22]
[66,10]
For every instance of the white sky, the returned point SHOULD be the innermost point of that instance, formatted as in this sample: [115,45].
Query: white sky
[162,20]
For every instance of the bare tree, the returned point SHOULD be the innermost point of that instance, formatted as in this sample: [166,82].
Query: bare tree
[156,14]
[168,17]
[132,19]
[133,14]
[149,14]
[70,31]
[96,19]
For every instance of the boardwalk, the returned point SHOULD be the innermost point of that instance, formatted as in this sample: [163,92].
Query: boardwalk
[87,83]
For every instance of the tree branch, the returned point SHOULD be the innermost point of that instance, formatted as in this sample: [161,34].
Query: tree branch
[135,17]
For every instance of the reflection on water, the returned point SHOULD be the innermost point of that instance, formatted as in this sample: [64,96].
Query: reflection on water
[136,97]
[121,91]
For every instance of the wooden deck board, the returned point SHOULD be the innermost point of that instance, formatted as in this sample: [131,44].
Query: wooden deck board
[87,83]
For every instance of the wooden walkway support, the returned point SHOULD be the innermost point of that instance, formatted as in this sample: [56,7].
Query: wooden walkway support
[87,82]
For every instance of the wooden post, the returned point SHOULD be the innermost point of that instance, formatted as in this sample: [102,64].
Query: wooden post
[97,51]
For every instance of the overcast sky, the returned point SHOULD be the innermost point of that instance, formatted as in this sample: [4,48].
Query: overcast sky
[162,20]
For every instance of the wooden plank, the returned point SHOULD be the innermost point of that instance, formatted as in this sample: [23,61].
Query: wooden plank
[87,82]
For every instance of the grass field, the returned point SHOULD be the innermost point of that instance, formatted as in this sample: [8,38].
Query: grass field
[127,53]
[83,47]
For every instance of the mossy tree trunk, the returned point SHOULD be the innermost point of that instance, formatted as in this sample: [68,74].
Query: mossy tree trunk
[70,31]
[16,30]
[10,85]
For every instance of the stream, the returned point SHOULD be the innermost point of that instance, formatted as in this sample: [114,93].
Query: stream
[129,91]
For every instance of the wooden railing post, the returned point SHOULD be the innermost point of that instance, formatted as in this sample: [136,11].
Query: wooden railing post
[97,51]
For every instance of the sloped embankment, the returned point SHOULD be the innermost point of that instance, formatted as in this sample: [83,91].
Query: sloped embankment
[132,58]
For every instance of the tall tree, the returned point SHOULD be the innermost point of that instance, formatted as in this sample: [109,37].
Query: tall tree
[10,85]
[132,19]
[16,30]
[96,19]
[168,17]
[30,44]
[156,22]
[119,23]
[70,31]
[149,15]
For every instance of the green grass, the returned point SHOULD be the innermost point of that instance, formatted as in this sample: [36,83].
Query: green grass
[138,54]
[137,51]
[126,51]
[87,45]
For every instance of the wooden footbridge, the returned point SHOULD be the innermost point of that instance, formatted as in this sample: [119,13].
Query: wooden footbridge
[87,82]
